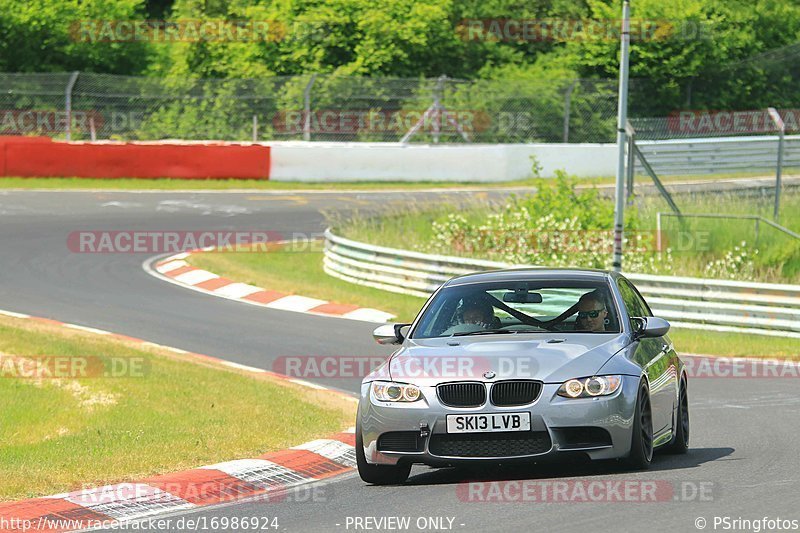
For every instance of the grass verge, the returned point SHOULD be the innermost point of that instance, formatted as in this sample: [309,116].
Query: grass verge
[302,273]
[168,415]
[168,184]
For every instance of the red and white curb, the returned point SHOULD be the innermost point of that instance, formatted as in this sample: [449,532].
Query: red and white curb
[175,269]
[265,478]
[269,475]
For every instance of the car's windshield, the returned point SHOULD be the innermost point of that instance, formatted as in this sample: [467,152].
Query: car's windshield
[519,307]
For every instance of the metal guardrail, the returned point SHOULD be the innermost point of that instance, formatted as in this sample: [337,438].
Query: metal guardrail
[722,305]
[719,155]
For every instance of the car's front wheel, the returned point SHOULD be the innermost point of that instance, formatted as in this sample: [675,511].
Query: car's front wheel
[680,442]
[378,474]
[641,454]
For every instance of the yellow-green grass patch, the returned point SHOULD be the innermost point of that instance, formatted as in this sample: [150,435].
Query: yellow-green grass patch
[172,412]
[14,182]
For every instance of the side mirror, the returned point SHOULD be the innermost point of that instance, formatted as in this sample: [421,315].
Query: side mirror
[650,326]
[389,334]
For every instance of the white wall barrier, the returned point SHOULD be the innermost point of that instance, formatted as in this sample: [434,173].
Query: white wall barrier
[336,161]
[332,161]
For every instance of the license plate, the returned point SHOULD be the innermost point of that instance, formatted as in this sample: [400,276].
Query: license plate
[488,423]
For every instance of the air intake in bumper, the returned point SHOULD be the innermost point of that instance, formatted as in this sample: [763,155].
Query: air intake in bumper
[510,444]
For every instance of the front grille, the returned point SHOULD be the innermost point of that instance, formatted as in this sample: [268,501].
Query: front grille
[462,394]
[399,441]
[507,444]
[508,393]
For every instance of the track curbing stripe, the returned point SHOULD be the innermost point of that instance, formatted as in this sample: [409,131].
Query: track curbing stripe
[177,270]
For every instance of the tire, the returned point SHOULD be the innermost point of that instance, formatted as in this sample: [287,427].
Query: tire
[680,441]
[378,474]
[641,454]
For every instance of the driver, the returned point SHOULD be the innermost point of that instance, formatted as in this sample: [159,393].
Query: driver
[477,313]
[592,313]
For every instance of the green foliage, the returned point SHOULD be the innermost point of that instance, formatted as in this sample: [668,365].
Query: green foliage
[44,35]
[785,260]
[560,199]
[702,54]
[558,226]
[562,225]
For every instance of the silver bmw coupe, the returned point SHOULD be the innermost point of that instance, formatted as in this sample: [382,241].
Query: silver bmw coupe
[523,365]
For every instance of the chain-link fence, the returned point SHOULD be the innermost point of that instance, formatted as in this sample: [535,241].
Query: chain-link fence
[313,107]
[426,110]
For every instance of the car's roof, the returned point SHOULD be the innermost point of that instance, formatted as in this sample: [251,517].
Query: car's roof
[533,274]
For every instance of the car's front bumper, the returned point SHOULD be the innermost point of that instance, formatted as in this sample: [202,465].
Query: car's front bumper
[554,418]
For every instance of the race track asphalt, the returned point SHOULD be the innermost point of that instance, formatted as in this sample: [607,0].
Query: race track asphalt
[743,461]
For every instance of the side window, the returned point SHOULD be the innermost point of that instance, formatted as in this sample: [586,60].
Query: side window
[640,298]
[633,301]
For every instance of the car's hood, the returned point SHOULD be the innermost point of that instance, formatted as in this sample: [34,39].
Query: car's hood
[549,358]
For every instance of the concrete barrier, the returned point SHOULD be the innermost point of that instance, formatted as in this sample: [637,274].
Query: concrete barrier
[331,161]
[43,157]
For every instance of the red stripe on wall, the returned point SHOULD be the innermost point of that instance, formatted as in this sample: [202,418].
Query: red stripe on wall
[42,157]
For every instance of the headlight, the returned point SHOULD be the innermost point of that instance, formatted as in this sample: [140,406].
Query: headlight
[395,392]
[590,387]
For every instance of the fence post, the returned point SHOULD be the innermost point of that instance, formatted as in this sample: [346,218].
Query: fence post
[255,128]
[437,106]
[568,108]
[307,108]
[631,133]
[776,118]
[658,231]
[758,221]
[68,103]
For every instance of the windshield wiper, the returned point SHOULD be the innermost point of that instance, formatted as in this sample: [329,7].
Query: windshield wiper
[484,332]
